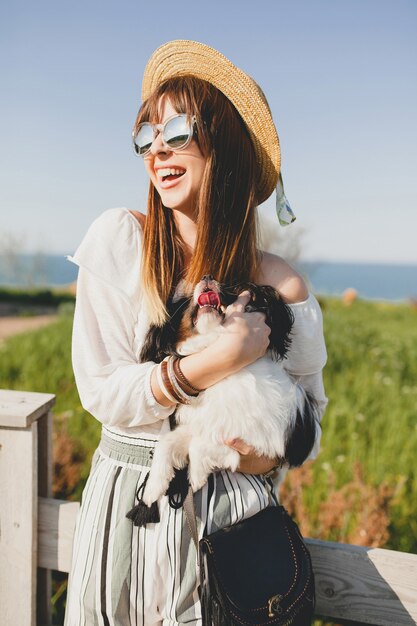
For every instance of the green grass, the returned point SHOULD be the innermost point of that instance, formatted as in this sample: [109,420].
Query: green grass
[35,296]
[370,380]
[371,383]
[41,361]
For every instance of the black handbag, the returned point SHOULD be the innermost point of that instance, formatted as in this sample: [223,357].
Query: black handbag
[257,572]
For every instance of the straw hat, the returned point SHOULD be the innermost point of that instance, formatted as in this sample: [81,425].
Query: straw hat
[182,57]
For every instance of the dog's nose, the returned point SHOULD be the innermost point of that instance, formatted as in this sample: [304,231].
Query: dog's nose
[208,277]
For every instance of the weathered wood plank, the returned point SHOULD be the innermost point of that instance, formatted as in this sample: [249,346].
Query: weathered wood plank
[365,585]
[18,409]
[18,523]
[372,586]
[44,578]
[56,524]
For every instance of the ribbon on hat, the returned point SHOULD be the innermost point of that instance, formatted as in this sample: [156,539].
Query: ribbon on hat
[284,212]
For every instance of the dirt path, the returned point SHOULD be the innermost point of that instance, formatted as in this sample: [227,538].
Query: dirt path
[14,325]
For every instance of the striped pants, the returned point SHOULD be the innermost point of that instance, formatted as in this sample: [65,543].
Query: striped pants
[123,575]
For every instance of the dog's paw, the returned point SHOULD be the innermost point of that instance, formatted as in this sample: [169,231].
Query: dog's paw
[197,479]
[153,491]
[151,496]
[231,460]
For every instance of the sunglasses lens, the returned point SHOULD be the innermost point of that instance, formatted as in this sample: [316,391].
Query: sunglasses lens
[177,131]
[143,139]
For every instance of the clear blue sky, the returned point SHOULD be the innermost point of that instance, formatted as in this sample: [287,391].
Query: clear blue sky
[340,77]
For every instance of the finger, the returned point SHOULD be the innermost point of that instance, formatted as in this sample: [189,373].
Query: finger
[239,445]
[241,301]
[238,306]
[254,465]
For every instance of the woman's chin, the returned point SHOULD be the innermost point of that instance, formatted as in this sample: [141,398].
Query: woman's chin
[180,202]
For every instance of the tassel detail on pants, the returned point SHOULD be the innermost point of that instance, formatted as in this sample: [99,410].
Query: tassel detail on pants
[142,514]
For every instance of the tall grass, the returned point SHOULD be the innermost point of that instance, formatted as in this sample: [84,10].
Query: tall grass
[371,383]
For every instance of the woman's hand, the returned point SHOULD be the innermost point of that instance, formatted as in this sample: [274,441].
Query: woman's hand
[244,338]
[250,462]
[246,335]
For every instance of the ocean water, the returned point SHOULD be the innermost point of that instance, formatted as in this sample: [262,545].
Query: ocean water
[372,281]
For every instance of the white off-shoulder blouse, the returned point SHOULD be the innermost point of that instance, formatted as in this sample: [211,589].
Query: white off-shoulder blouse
[110,323]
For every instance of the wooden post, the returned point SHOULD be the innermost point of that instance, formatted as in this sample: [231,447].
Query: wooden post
[25,473]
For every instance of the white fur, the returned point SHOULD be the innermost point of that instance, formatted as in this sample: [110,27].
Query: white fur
[258,404]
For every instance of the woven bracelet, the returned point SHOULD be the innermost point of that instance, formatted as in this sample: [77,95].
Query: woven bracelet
[186,398]
[168,383]
[181,378]
[162,386]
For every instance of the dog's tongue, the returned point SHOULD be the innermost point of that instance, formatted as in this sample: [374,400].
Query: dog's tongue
[208,298]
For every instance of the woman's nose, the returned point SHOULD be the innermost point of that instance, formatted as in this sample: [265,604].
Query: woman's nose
[158,145]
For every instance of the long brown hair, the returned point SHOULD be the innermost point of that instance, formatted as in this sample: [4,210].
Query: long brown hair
[227,229]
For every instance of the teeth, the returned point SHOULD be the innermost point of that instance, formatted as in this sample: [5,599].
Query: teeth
[166,171]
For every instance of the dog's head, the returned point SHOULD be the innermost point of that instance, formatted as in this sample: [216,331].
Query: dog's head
[204,311]
[200,313]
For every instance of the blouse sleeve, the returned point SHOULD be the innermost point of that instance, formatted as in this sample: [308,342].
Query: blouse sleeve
[307,354]
[113,386]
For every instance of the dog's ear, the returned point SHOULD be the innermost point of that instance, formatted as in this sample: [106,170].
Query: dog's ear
[161,341]
[155,344]
[279,318]
[279,315]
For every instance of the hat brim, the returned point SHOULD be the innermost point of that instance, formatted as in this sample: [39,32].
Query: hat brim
[184,57]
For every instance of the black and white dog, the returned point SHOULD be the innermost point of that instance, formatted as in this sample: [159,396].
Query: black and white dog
[259,404]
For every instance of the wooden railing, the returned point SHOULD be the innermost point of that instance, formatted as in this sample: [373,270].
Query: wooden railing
[362,585]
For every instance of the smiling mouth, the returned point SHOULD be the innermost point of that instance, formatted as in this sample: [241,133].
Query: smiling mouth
[170,173]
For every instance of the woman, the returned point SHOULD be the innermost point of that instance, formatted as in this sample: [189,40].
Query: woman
[212,154]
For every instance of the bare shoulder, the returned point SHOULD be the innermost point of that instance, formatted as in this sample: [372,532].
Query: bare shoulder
[141,217]
[275,271]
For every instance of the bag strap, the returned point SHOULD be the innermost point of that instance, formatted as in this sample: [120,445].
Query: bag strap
[188,506]
[191,518]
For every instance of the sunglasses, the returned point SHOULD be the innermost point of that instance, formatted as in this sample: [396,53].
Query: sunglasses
[176,133]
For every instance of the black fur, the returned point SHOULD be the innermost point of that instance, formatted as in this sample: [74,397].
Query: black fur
[161,340]
[300,440]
